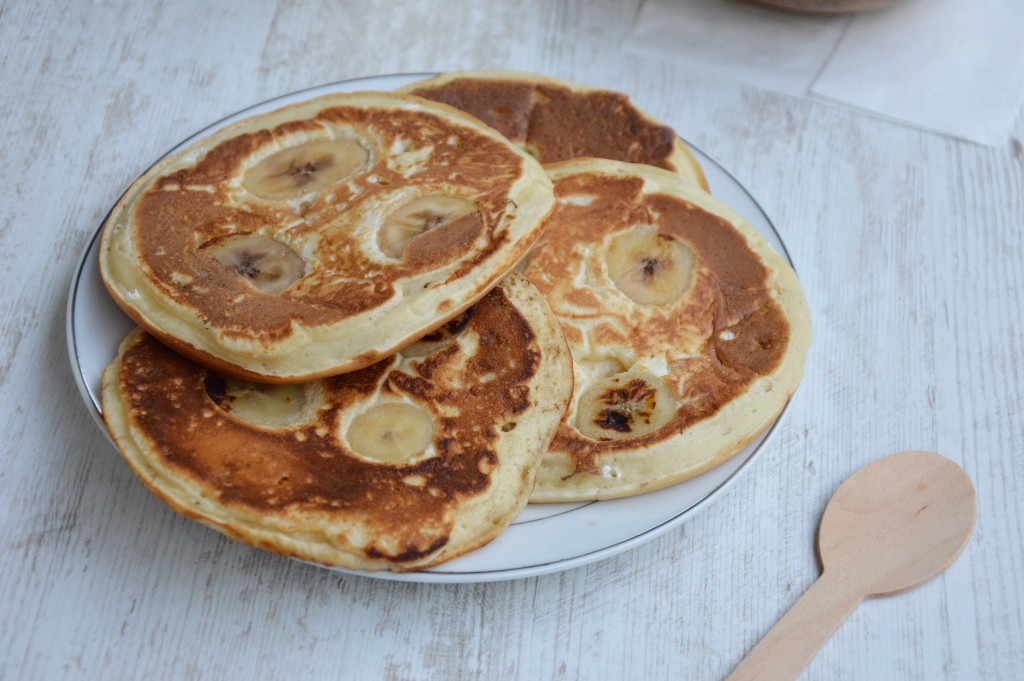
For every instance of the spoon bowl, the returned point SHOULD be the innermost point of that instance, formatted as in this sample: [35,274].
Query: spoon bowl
[898,522]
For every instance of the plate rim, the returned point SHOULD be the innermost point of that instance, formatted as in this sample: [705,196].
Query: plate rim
[438,574]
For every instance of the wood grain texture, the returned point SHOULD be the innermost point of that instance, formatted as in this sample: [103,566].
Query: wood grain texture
[909,246]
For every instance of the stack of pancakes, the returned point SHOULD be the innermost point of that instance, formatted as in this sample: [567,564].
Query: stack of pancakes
[375,325]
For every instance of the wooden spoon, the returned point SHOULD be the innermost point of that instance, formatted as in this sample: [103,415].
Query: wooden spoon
[893,525]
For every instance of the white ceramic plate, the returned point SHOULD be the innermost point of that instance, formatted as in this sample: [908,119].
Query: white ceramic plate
[546,537]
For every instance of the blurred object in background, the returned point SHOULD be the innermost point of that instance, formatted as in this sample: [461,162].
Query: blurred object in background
[827,5]
[949,66]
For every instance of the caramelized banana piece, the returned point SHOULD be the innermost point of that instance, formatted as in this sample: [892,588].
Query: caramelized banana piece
[266,263]
[650,268]
[434,217]
[625,405]
[305,168]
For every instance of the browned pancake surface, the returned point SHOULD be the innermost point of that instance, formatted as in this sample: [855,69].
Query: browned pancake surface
[495,390]
[174,222]
[724,353]
[557,120]
[321,237]
[736,298]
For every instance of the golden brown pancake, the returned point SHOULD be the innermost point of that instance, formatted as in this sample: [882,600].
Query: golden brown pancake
[322,237]
[398,466]
[688,333]
[557,120]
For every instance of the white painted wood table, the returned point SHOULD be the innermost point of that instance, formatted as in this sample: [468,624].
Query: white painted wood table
[909,245]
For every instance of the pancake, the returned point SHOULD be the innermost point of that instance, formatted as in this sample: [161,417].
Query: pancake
[557,120]
[688,333]
[398,466]
[322,237]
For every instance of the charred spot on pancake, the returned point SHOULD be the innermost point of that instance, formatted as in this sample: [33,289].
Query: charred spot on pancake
[216,388]
[432,228]
[441,337]
[636,390]
[621,421]
[409,554]
[624,405]
[267,264]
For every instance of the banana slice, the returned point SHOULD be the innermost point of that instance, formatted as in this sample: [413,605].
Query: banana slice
[625,405]
[426,226]
[600,367]
[304,168]
[650,268]
[393,432]
[264,405]
[266,263]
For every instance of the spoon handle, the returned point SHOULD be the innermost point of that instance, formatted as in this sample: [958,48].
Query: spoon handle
[788,646]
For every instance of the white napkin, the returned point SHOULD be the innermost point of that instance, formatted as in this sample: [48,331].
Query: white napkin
[951,66]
